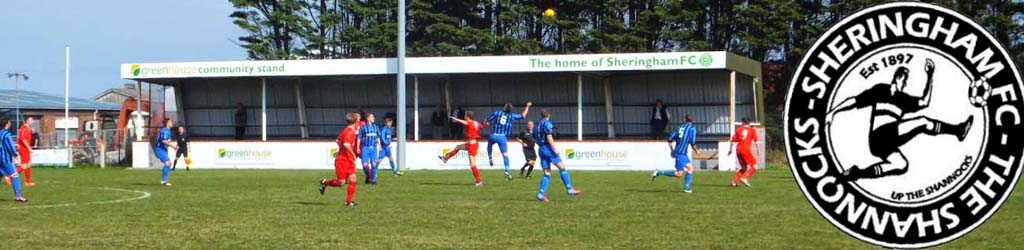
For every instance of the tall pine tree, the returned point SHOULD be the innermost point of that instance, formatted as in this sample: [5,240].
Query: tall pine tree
[449,28]
[271,27]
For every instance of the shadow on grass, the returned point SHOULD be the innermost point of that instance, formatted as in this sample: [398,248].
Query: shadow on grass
[307,203]
[720,185]
[647,190]
[9,199]
[146,184]
[447,184]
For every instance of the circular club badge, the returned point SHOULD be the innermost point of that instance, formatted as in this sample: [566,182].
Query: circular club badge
[903,125]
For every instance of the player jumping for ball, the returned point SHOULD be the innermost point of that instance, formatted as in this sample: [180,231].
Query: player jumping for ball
[471,145]
[345,161]
[544,134]
[894,123]
[501,122]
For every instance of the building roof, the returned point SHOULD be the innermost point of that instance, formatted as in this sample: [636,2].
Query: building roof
[127,91]
[25,99]
[698,60]
[115,91]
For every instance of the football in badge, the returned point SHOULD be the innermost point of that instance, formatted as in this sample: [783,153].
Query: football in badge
[979,92]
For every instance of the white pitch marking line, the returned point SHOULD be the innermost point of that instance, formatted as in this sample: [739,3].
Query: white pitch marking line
[143,196]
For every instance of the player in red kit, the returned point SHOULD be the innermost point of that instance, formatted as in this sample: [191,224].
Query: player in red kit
[345,161]
[745,137]
[361,120]
[472,135]
[24,145]
[25,151]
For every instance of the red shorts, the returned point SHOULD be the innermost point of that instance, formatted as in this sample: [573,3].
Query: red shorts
[343,168]
[26,156]
[472,148]
[746,159]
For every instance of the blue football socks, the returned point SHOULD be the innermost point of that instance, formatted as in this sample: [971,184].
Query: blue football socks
[394,168]
[565,179]
[374,178]
[507,171]
[544,184]
[167,171]
[689,180]
[16,184]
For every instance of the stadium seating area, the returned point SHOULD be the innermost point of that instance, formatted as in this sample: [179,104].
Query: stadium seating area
[208,104]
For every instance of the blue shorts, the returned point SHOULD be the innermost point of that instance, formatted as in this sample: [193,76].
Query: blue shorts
[162,155]
[7,169]
[385,151]
[681,162]
[369,155]
[501,140]
[548,158]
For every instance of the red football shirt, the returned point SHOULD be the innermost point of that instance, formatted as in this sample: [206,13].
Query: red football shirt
[745,136]
[25,138]
[473,129]
[348,135]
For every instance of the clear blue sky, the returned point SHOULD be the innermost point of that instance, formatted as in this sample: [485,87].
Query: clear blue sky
[104,34]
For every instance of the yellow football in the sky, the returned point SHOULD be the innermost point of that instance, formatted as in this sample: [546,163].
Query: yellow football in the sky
[549,13]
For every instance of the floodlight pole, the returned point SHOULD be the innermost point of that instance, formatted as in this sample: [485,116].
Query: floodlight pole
[17,98]
[17,103]
[401,119]
[67,82]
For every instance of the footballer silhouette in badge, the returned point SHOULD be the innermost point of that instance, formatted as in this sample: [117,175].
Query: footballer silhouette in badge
[894,123]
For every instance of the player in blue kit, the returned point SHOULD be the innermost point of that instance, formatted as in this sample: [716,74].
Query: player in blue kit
[385,147]
[501,127]
[7,154]
[163,140]
[679,142]
[543,133]
[369,141]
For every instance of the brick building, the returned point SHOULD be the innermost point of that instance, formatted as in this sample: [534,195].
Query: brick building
[48,111]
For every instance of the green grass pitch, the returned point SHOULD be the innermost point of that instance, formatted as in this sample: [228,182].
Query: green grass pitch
[281,209]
